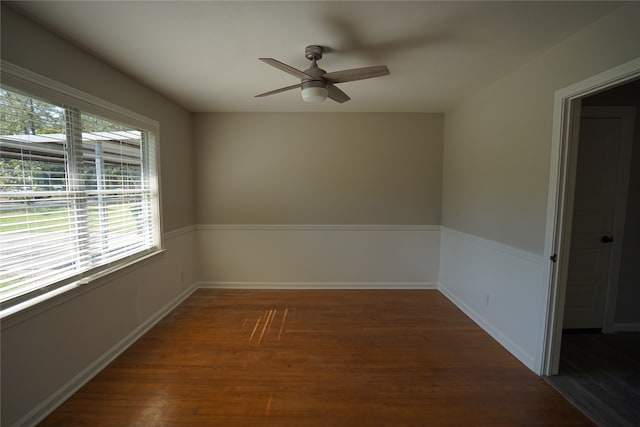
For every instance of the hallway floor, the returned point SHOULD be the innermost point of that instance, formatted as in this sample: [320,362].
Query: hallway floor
[600,374]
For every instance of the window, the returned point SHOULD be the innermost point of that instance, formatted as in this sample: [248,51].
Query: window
[78,195]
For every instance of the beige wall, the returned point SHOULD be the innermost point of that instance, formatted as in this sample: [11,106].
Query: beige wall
[300,168]
[31,47]
[497,142]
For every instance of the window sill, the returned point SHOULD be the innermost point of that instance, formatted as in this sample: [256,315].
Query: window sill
[40,299]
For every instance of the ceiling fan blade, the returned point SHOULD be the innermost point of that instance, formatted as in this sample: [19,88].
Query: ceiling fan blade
[356,74]
[286,68]
[282,89]
[337,94]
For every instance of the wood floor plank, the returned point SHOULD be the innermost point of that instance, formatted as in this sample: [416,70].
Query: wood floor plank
[316,358]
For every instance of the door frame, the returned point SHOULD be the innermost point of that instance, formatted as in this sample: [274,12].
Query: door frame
[564,145]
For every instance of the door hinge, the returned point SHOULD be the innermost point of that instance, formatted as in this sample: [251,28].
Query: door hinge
[553,257]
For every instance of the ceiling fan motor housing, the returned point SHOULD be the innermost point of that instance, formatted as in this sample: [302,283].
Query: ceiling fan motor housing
[313,83]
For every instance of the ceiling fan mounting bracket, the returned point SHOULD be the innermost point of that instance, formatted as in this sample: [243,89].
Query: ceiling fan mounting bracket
[313,52]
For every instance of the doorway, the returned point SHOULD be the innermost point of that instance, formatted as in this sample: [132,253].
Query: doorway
[568,102]
[605,141]
[598,292]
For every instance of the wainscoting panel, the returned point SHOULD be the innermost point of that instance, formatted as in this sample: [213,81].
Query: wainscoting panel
[499,287]
[319,256]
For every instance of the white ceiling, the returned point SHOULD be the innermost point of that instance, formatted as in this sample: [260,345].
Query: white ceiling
[204,55]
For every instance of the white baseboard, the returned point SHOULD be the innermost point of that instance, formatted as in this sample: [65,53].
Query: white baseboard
[626,327]
[490,329]
[318,285]
[41,411]
[499,287]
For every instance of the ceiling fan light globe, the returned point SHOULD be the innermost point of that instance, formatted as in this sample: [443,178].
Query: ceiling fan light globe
[314,94]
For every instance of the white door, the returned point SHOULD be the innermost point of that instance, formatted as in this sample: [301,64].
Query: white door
[598,215]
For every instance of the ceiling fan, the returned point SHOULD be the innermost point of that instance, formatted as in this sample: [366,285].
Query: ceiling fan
[316,83]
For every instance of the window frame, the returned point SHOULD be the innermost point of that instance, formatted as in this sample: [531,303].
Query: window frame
[26,82]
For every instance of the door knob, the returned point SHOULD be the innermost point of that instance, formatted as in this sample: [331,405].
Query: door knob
[606,239]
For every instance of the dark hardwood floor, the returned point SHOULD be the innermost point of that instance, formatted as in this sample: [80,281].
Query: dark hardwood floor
[316,358]
[600,373]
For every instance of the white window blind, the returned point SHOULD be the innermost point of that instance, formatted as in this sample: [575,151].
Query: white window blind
[78,194]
